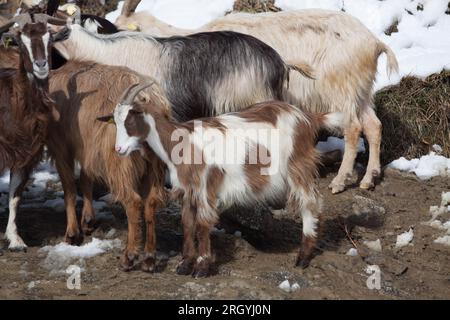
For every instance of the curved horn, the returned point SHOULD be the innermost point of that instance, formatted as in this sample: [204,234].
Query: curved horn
[126,92]
[129,7]
[21,20]
[133,91]
[6,26]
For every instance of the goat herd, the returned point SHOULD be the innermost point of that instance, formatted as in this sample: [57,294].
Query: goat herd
[95,95]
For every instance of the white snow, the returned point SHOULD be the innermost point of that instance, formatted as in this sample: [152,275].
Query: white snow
[88,250]
[189,14]
[426,167]
[287,287]
[352,252]
[60,256]
[334,143]
[421,45]
[445,240]
[43,174]
[445,198]
[373,245]
[405,238]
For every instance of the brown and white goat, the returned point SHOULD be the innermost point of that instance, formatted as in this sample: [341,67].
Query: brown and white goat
[25,109]
[259,154]
[341,50]
[83,92]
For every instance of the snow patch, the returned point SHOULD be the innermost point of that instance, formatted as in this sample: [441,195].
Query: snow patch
[60,256]
[445,240]
[352,252]
[334,143]
[431,165]
[189,14]
[286,286]
[373,245]
[404,239]
[421,45]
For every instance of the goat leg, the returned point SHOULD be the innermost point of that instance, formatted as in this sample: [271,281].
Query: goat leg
[133,208]
[203,262]
[88,213]
[185,267]
[18,180]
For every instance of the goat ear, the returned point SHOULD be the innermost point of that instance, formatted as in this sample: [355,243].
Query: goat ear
[61,35]
[8,39]
[107,119]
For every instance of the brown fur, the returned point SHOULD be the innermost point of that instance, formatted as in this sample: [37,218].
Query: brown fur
[199,216]
[85,91]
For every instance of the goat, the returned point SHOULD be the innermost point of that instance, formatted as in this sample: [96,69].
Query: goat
[272,149]
[25,109]
[203,74]
[341,50]
[84,91]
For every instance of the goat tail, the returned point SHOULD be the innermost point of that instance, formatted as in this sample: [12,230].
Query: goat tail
[392,63]
[303,68]
[332,121]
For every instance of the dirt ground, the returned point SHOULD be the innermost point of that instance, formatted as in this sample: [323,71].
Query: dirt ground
[252,266]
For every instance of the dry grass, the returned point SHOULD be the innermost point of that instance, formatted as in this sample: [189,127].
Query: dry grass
[415,115]
[254,6]
[96,8]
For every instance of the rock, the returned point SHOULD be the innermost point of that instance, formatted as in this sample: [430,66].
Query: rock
[367,213]
[373,245]
[110,234]
[386,263]
[258,218]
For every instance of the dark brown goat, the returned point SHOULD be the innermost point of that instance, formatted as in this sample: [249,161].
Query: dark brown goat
[25,109]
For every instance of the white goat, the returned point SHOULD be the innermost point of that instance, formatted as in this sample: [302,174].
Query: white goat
[341,50]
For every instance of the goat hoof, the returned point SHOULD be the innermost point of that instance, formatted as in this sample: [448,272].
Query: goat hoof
[18,248]
[88,226]
[202,273]
[148,263]
[367,185]
[16,244]
[201,270]
[303,263]
[184,268]
[74,239]
[336,188]
[129,261]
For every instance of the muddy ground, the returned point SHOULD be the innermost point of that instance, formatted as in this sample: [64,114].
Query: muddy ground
[253,265]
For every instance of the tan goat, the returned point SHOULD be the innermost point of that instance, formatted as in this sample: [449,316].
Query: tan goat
[342,51]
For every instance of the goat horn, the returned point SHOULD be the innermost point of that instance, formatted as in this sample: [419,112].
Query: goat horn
[129,7]
[21,20]
[133,91]
[126,92]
